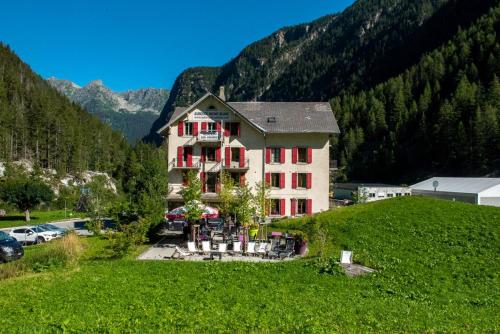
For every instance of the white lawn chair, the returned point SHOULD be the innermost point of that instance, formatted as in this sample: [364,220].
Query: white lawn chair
[180,253]
[262,249]
[345,257]
[192,247]
[222,248]
[236,247]
[251,248]
[205,246]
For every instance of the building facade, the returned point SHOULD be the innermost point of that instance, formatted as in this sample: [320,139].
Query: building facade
[286,144]
[369,192]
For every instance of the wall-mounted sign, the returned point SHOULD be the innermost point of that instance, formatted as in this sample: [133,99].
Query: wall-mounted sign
[214,115]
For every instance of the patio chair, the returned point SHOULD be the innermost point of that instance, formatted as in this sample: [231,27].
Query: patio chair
[180,253]
[205,246]
[346,257]
[274,252]
[236,247]
[289,250]
[222,248]
[251,248]
[262,249]
[192,247]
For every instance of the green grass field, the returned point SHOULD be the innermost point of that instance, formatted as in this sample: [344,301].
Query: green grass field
[437,265]
[37,217]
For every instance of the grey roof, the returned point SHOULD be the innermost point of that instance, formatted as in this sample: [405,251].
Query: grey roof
[289,117]
[471,185]
[354,185]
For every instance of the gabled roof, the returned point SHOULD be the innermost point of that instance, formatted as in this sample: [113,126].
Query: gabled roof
[470,185]
[276,117]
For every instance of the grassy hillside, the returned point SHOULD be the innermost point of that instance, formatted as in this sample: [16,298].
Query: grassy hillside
[437,272]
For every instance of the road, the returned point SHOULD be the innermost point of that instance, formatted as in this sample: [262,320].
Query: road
[77,224]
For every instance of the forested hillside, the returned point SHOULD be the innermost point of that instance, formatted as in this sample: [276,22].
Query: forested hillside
[441,115]
[39,124]
[347,54]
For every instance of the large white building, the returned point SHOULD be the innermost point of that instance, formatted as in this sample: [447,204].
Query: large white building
[476,190]
[369,192]
[286,144]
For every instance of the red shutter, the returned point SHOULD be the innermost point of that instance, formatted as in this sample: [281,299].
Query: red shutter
[203,184]
[195,129]
[203,126]
[294,180]
[189,156]
[293,206]
[227,129]
[309,206]
[239,129]
[217,187]
[268,179]
[308,180]
[203,157]
[294,155]
[242,179]
[180,129]
[268,155]
[282,180]
[282,207]
[217,126]
[180,156]
[227,156]
[242,157]
[282,155]
[309,155]
[217,154]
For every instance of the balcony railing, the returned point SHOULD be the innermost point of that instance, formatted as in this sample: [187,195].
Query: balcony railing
[242,164]
[195,163]
[209,136]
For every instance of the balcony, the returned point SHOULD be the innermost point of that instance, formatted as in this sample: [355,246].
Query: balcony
[236,165]
[195,163]
[209,136]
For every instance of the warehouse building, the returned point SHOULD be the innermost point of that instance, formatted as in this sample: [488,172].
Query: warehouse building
[476,190]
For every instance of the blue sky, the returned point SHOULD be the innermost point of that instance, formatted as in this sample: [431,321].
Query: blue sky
[134,44]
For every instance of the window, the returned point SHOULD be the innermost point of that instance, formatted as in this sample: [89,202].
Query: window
[371,195]
[19,231]
[275,180]
[390,195]
[301,206]
[237,178]
[188,129]
[398,194]
[302,154]
[407,194]
[210,154]
[275,154]
[235,154]
[211,127]
[234,129]
[275,206]
[302,180]
[188,152]
[212,180]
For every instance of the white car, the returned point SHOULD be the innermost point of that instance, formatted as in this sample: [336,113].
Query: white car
[32,234]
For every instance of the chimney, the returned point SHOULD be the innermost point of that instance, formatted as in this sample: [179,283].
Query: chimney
[222,94]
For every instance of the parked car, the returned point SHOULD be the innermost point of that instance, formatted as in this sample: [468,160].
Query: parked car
[32,235]
[53,228]
[10,249]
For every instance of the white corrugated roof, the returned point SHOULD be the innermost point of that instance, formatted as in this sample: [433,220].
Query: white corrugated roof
[471,185]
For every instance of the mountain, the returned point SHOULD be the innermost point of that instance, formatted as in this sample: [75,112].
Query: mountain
[369,43]
[130,112]
[43,126]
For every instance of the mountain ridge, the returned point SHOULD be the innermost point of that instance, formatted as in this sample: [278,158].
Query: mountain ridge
[132,112]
